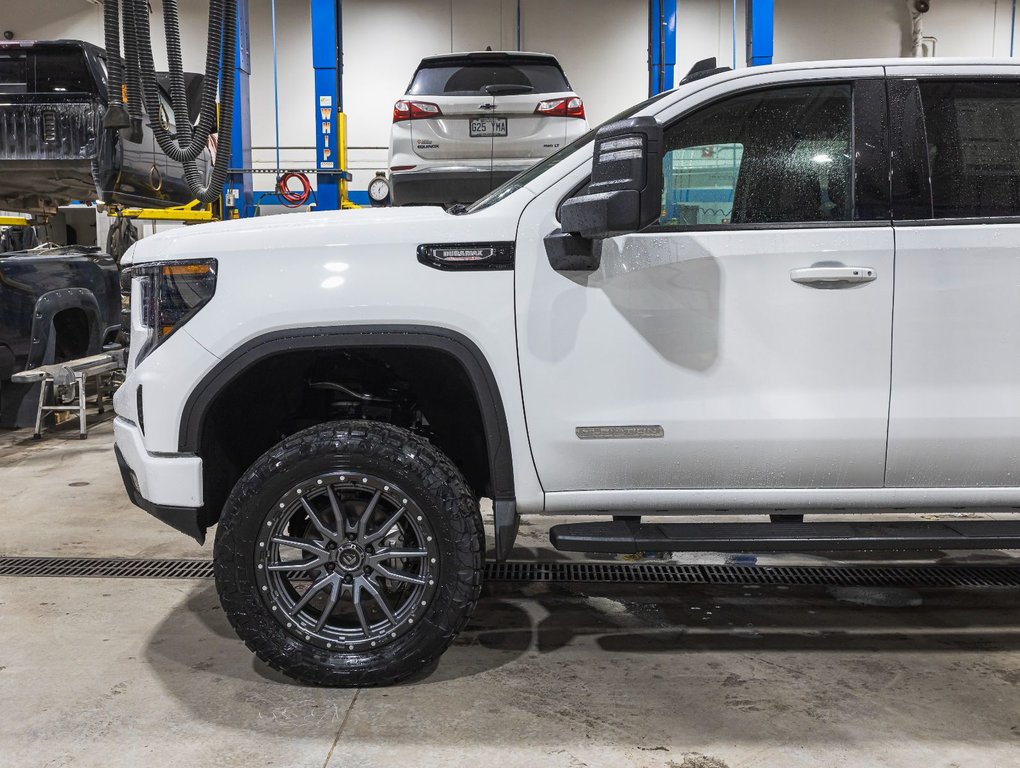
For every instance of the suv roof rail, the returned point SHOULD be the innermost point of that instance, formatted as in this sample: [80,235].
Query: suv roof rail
[704,68]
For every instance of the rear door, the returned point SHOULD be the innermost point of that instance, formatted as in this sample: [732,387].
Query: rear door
[171,183]
[954,417]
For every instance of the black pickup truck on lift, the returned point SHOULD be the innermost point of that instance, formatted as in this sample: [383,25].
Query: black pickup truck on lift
[53,148]
[56,304]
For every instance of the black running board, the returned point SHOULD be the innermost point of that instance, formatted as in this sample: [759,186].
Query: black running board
[633,537]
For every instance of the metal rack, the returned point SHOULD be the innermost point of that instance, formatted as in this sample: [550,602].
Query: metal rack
[65,383]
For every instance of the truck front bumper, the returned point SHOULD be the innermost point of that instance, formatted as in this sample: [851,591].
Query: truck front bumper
[168,487]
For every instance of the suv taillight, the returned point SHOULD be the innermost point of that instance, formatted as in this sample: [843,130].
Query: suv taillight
[570,107]
[414,110]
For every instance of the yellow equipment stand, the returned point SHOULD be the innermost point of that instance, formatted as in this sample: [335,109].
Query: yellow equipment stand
[341,120]
[15,221]
[192,213]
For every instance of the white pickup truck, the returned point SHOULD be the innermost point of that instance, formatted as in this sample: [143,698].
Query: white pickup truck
[782,290]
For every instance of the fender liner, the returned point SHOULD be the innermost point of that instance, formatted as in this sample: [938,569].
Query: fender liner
[49,305]
[19,402]
[458,346]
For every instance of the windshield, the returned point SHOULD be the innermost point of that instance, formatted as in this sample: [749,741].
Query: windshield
[522,179]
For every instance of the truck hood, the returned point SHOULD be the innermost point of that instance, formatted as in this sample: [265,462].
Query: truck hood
[297,232]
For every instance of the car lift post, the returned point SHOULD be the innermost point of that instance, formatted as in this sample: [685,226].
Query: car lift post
[760,24]
[661,45]
[330,140]
[239,197]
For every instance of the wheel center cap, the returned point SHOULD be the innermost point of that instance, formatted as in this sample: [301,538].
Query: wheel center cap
[349,557]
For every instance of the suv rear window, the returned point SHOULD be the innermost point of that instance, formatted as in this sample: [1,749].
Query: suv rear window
[470,78]
[61,70]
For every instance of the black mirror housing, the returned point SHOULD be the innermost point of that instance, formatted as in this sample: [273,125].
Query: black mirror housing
[570,253]
[625,193]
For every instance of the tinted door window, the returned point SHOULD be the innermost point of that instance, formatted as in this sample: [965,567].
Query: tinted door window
[772,156]
[973,147]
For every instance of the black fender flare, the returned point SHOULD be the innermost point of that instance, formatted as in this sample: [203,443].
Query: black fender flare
[48,306]
[6,362]
[458,346]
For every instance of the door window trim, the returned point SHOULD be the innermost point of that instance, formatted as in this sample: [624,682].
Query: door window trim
[908,145]
[881,139]
[919,148]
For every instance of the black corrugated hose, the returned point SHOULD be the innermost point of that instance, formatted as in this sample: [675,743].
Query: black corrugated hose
[178,97]
[131,74]
[221,33]
[116,116]
[140,72]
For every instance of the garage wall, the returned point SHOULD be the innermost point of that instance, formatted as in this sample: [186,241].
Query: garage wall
[602,45]
[809,29]
[51,21]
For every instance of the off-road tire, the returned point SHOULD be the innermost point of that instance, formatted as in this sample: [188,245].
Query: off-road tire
[425,474]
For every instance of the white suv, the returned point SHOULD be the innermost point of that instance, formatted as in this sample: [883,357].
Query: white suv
[689,312]
[471,121]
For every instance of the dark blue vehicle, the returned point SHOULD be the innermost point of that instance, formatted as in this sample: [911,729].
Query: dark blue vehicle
[55,305]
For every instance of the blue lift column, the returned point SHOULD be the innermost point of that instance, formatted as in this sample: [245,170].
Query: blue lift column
[759,32]
[661,45]
[239,186]
[326,19]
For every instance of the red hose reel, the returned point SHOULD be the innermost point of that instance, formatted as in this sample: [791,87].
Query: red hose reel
[293,198]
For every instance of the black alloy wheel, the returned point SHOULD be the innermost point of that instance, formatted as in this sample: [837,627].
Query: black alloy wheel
[350,554]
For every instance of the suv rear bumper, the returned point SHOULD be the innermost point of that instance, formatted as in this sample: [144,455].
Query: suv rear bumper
[167,487]
[446,185]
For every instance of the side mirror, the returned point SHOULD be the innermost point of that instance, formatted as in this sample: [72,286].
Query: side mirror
[625,193]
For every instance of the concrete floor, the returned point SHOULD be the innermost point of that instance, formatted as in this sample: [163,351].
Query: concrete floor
[132,672]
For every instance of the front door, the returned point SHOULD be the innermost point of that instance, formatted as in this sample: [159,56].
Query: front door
[744,340]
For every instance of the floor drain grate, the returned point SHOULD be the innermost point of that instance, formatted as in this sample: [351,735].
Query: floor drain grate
[106,568]
[580,572]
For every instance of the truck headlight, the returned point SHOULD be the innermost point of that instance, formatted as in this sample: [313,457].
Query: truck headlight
[164,296]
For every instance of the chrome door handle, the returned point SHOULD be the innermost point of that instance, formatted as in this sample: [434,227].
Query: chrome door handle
[831,275]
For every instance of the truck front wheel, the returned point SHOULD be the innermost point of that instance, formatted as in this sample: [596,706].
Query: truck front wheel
[350,554]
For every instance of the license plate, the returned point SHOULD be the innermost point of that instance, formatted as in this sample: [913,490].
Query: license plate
[488,126]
